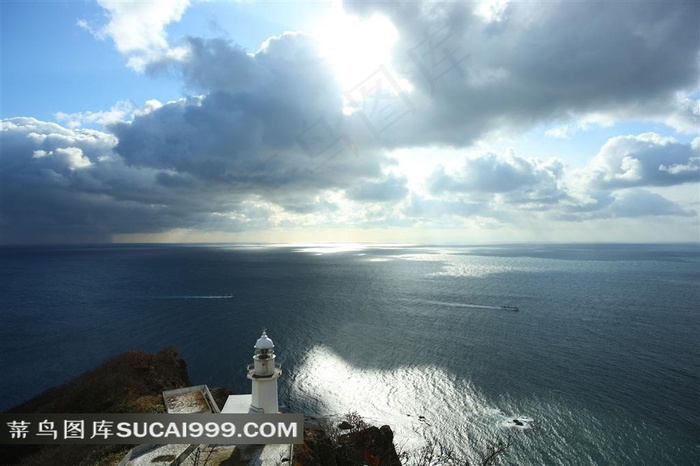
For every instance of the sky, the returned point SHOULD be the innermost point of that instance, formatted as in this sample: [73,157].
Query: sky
[491,121]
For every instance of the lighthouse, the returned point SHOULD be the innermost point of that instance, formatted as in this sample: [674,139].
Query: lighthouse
[264,373]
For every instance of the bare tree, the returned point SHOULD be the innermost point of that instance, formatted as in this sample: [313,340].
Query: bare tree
[493,450]
[434,453]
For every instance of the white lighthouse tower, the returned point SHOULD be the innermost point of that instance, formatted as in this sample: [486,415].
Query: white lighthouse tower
[264,373]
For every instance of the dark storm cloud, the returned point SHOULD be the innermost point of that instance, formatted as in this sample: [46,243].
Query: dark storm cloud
[248,131]
[284,83]
[64,185]
[215,64]
[540,62]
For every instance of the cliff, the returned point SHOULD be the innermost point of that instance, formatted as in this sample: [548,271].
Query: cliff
[127,383]
[364,445]
[131,382]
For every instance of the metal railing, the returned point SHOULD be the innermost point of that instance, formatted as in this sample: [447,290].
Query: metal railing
[251,369]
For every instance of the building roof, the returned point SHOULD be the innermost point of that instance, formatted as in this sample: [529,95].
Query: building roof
[264,342]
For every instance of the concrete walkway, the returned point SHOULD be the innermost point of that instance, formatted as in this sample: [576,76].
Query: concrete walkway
[240,455]
[198,399]
[209,455]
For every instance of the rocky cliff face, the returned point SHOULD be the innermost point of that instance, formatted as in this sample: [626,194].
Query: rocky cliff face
[370,446]
[132,382]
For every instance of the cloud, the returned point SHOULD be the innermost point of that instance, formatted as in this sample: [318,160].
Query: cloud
[644,160]
[272,139]
[121,111]
[528,183]
[504,187]
[54,182]
[466,70]
[491,10]
[684,116]
[393,188]
[214,65]
[537,63]
[138,27]
[627,203]
[642,203]
[429,210]
[269,122]
[65,185]
[62,184]
[198,160]
[201,161]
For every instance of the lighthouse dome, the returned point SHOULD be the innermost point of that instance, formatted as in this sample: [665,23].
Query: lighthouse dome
[264,342]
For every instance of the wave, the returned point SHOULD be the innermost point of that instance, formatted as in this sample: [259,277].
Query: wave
[453,304]
[221,296]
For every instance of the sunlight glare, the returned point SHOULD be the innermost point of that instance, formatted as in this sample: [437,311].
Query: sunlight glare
[355,47]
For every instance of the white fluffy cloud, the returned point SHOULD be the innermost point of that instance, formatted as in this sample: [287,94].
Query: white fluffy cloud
[138,27]
[121,111]
[647,159]
[685,116]
[527,183]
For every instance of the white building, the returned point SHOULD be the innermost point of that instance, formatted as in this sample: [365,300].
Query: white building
[263,374]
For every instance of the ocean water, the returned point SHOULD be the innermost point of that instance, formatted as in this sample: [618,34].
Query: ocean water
[601,364]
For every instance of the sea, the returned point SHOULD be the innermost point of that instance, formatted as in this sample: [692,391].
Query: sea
[600,364]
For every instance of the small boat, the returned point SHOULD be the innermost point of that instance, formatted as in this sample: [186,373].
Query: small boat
[510,308]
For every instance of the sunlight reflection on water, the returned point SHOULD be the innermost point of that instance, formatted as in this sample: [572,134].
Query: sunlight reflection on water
[418,402]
